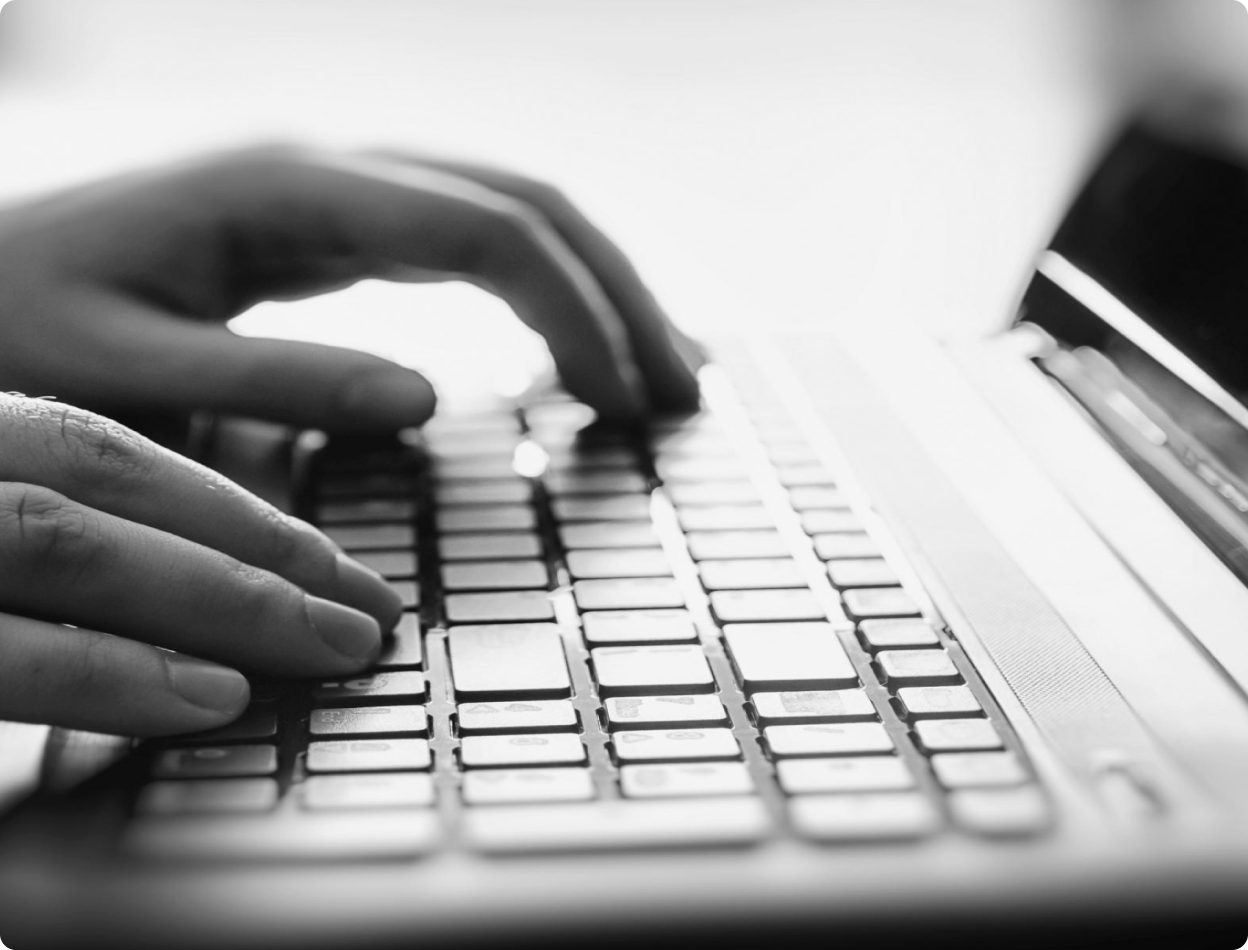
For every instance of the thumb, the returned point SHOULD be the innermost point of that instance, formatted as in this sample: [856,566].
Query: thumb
[143,358]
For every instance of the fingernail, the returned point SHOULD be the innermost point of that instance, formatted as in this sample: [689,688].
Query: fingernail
[344,629]
[389,399]
[207,684]
[366,589]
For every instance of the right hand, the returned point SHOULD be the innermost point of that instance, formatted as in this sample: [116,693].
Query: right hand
[139,548]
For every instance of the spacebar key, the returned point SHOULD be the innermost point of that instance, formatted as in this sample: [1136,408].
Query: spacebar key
[618,825]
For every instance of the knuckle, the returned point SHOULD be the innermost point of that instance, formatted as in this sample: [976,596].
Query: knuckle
[46,527]
[261,600]
[102,448]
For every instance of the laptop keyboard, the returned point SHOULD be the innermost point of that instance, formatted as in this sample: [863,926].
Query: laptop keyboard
[684,637]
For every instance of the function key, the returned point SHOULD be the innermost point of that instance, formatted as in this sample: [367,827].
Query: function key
[901,632]
[850,738]
[214,796]
[486,547]
[480,752]
[917,667]
[375,790]
[879,602]
[513,606]
[877,773]
[533,715]
[685,780]
[518,786]
[670,625]
[933,702]
[812,705]
[369,720]
[660,745]
[862,572]
[654,670]
[231,761]
[957,735]
[654,712]
[369,755]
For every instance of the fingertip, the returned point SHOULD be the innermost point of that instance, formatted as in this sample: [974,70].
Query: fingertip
[390,397]
[210,686]
[366,589]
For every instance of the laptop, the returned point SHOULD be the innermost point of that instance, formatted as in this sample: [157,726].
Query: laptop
[893,640]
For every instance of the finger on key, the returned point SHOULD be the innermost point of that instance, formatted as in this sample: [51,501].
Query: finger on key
[80,679]
[108,467]
[65,562]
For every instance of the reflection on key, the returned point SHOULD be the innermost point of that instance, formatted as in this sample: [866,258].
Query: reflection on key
[753,606]
[608,534]
[633,593]
[372,537]
[400,686]
[654,712]
[670,625]
[636,671]
[521,661]
[513,606]
[369,755]
[494,575]
[821,705]
[881,816]
[216,762]
[751,574]
[870,774]
[850,738]
[485,547]
[382,790]
[517,786]
[879,602]
[685,780]
[624,562]
[483,752]
[667,745]
[978,769]
[402,649]
[207,796]
[934,701]
[534,715]
[369,720]
[957,735]
[789,656]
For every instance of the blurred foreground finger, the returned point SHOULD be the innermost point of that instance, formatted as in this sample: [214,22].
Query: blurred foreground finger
[81,679]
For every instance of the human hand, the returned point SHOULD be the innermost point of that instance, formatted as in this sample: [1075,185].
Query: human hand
[113,295]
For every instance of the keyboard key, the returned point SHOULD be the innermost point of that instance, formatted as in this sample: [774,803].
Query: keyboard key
[805,474]
[488,547]
[936,701]
[391,564]
[627,562]
[861,572]
[655,712]
[375,790]
[523,661]
[751,574]
[725,518]
[878,773]
[584,458]
[372,537]
[365,510]
[362,485]
[654,670]
[830,521]
[633,593]
[901,632]
[672,625]
[501,491]
[917,667]
[836,547]
[468,518]
[298,838]
[957,735]
[491,469]
[879,816]
[483,752]
[879,602]
[518,606]
[517,786]
[369,720]
[823,705]
[806,498]
[230,761]
[402,649]
[978,769]
[789,656]
[713,493]
[608,534]
[474,445]
[258,721]
[659,745]
[733,545]
[760,606]
[719,469]
[495,575]
[214,796]
[409,593]
[369,755]
[1001,812]
[784,453]
[401,686]
[618,823]
[850,738]
[685,780]
[534,715]
[602,508]
[595,483]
